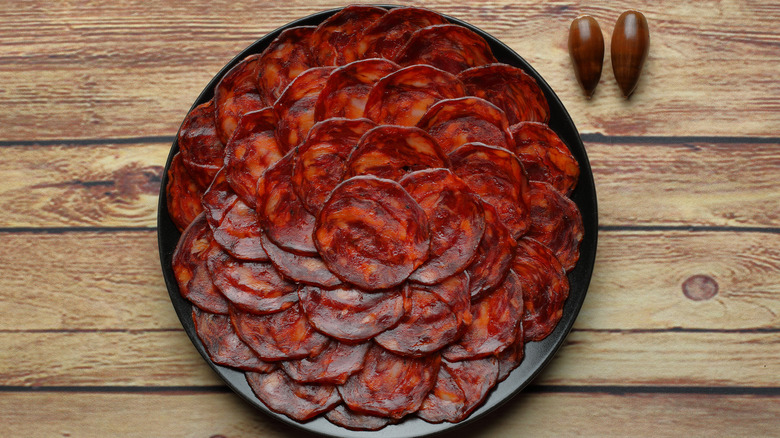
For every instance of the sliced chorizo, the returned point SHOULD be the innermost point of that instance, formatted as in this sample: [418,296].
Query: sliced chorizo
[300,268]
[235,95]
[556,223]
[299,401]
[494,255]
[200,147]
[223,345]
[346,90]
[295,107]
[454,122]
[283,60]
[388,35]
[476,378]
[449,47]
[239,233]
[342,416]
[512,357]
[545,156]
[335,40]
[218,199]
[332,365]
[445,401]
[182,195]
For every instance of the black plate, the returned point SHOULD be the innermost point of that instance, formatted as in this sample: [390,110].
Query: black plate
[537,354]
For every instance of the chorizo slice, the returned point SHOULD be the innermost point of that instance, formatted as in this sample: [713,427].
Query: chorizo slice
[512,357]
[454,122]
[403,97]
[201,150]
[556,223]
[449,47]
[182,195]
[295,107]
[494,255]
[235,95]
[494,323]
[342,416]
[191,270]
[371,233]
[240,235]
[445,401]
[251,150]
[497,176]
[346,90]
[388,35]
[393,151]
[350,314]
[218,199]
[299,401]
[455,221]
[276,336]
[320,161]
[509,88]
[333,365]
[545,288]
[223,344]
[545,156]
[300,268]
[335,40]
[476,378]
[283,60]
[390,385]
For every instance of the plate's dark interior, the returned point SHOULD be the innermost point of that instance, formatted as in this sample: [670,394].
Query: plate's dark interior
[537,354]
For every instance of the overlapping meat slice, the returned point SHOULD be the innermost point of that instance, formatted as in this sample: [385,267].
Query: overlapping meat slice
[449,47]
[510,89]
[350,314]
[235,95]
[494,255]
[295,107]
[371,233]
[403,97]
[342,416]
[460,388]
[239,233]
[299,401]
[454,122]
[545,157]
[512,357]
[182,195]
[347,88]
[390,385]
[497,176]
[218,199]
[332,365]
[223,344]
[200,147]
[388,35]
[301,268]
[335,40]
[283,60]
[556,223]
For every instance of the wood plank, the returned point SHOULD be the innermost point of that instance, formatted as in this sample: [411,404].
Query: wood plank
[63,75]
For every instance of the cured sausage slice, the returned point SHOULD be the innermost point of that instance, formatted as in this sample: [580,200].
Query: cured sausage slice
[545,288]
[320,161]
[454,122]
[344,417]
[349,314]
[183,195]
[455,222]
[494,324]
[335,40]
[511,358]
[251,150]
[346,91]
[218,199]
[556,223]
[300,268]
[494,255]
[445,401]
[333,365]
[388,35]
[251,286]
[235,95]
[223,344]
[190,270]
[497,176]
[403,97]
[298,401]
[390,385]
[545,157]
[449,47]
[201,150]
[510,89]
[454,291]
[283,60]
[282,335]
[394,151]
[295,107]
[371,233]
[239,233]
[285,220]
[460,388]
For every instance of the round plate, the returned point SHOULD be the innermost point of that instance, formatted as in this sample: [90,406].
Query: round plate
[537,354]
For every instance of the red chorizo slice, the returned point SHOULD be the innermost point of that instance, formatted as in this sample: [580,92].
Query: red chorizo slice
[371,233]
[223,344]
[510,89]
[390,385]
[335,40]
[282,335]
[455,221]
[393,151]
[239,233]
[251,150]
[454,291]
[218,199]
[449,47]
[300,268]
[235,95]
[283,60]
[556,223]
[320,161]
[349,314]
[183,195]
[445,401]
[346,91]
[454,122]
[512,357]
[497,176]
[476,378]
[201,149]
[545,157]
[403,97]
[191,271]
[545,288]
[345,417]
[494,255]
[333,365]
[388,35]
[295,107]
[298,401]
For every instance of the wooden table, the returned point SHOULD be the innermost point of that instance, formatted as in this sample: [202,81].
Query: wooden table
[679,334]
